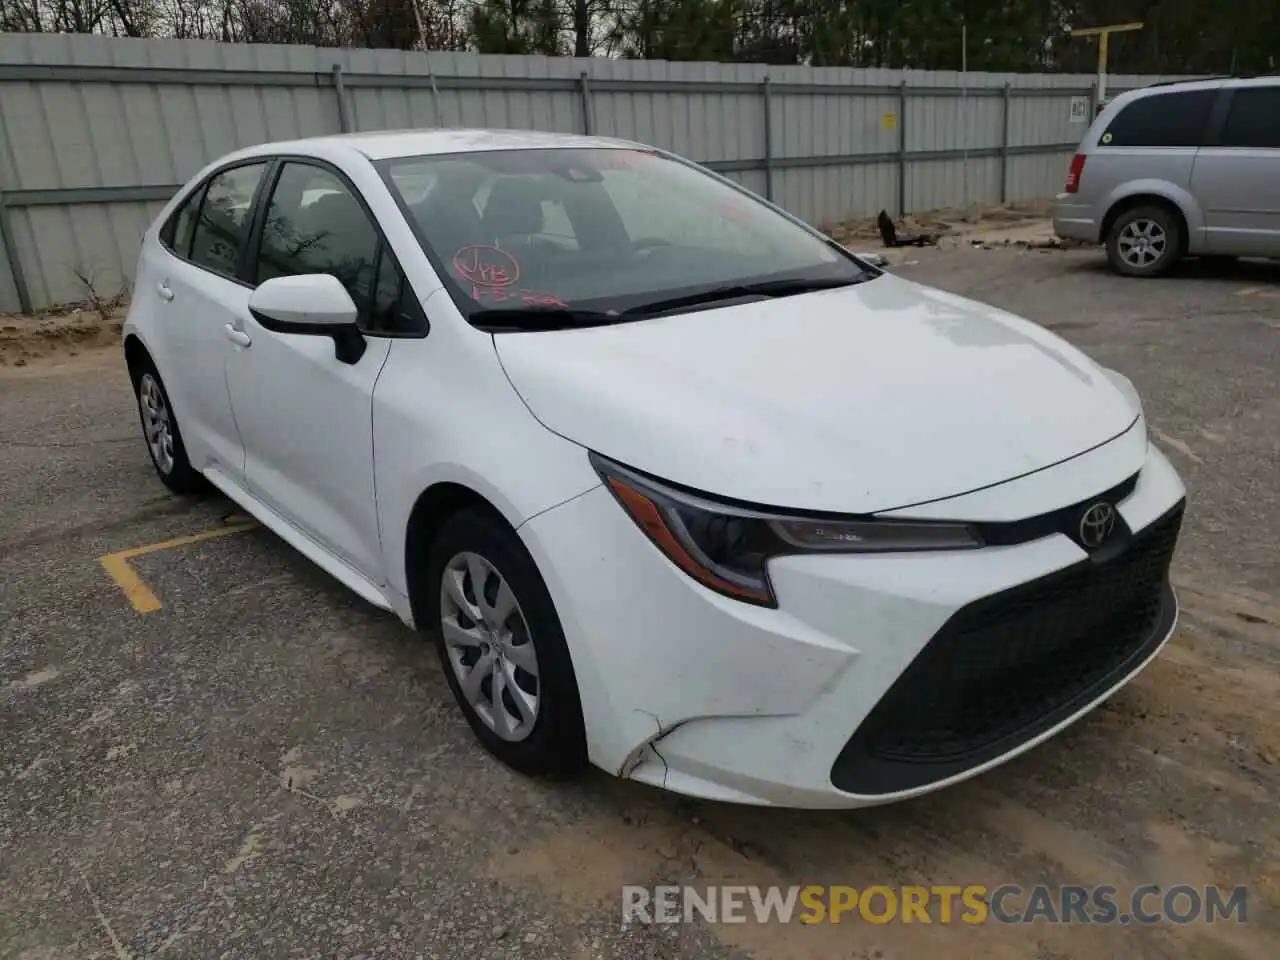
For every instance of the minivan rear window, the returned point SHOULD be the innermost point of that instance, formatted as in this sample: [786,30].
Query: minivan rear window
[1175,119]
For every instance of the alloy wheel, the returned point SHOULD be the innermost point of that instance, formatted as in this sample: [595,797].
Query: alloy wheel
[1142,242]
[489,646]
[156,422]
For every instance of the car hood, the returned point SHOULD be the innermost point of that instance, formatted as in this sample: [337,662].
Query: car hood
[856,400]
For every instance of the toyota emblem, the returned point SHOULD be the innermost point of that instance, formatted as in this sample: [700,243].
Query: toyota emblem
[1096,524]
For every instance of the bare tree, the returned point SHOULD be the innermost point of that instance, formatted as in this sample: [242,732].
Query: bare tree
[21,16]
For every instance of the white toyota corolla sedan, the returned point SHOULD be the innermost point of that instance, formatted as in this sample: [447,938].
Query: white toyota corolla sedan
[687,490]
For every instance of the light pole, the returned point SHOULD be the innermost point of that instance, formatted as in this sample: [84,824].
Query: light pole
[1103,34]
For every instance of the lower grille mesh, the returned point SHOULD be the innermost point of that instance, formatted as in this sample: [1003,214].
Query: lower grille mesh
[1003,664]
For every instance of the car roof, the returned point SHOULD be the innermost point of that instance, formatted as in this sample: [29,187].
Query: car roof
[1120,101]
[1172,86]
[1201,83]
[389,144]
[1224,79]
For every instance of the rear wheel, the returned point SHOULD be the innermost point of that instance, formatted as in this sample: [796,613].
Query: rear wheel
[502,647]
[160,430]
[1144,241]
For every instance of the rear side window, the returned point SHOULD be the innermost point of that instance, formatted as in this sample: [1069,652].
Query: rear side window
[221,228]
[177,233]
[1254,120]
[1162,120]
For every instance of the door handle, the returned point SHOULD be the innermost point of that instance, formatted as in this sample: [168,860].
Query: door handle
[165,291]
[238,337]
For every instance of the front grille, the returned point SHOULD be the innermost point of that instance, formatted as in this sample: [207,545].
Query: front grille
[1009,666]
[1065,520]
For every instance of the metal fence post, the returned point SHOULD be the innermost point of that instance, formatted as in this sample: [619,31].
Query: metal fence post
[767,94]
[11,255]
[588,120]
[7,241]
[435,91]
[902,149]
[1004,147]
[340,88]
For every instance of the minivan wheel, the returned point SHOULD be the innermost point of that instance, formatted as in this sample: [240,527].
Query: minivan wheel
[160,431]
[502,647]
[1145,241]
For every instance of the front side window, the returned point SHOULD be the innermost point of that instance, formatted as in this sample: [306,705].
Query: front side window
[602,232]
[221,229]
[315,224]
[1254,120]
[1176,119]
[387,313]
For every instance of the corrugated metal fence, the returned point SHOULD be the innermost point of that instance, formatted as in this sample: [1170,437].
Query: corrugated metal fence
[96,133]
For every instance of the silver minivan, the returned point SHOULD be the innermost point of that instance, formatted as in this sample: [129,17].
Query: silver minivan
[1186,168]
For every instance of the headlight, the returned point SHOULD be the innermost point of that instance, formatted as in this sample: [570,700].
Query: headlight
[727,547]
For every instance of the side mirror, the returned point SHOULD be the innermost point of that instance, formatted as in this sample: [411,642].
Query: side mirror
[311,304]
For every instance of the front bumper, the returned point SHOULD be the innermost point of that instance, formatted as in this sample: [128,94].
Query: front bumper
[1074,221]
[877,678]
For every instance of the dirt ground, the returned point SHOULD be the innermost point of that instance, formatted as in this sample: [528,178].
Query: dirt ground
[263,766]
[57,334]
[1017,224]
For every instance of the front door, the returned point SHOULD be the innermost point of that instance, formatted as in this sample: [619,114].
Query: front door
[306,417]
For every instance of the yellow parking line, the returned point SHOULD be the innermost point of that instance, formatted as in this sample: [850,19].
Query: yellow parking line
[140,595]
[1248,291]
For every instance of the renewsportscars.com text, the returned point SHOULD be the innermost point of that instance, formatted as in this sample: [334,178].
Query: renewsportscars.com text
[971,904]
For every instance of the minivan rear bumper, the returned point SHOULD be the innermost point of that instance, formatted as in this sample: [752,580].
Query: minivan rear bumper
[1073,220]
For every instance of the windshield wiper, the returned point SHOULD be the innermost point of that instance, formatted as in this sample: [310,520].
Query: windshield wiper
[495,319]
[734,291]
[539,318]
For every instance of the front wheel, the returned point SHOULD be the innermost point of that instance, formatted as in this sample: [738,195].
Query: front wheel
[502,648]
[1145,241]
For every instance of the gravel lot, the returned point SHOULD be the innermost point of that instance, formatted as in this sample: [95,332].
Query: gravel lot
[266,767]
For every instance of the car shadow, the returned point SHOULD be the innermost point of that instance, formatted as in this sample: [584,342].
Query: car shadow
[1212,268]
[1257,272]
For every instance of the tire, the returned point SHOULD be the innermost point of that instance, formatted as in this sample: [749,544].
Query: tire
[547,738]
[167,452]
[1145,241]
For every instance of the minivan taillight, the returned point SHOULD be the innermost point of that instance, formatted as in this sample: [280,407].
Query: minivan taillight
[1074,174]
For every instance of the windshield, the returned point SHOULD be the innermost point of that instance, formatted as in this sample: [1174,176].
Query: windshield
[601,235]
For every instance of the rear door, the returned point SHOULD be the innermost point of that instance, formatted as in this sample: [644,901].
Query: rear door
[198,292]
[1237,174]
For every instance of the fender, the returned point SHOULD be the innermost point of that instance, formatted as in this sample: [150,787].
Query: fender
[495,439]
[1178,196]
